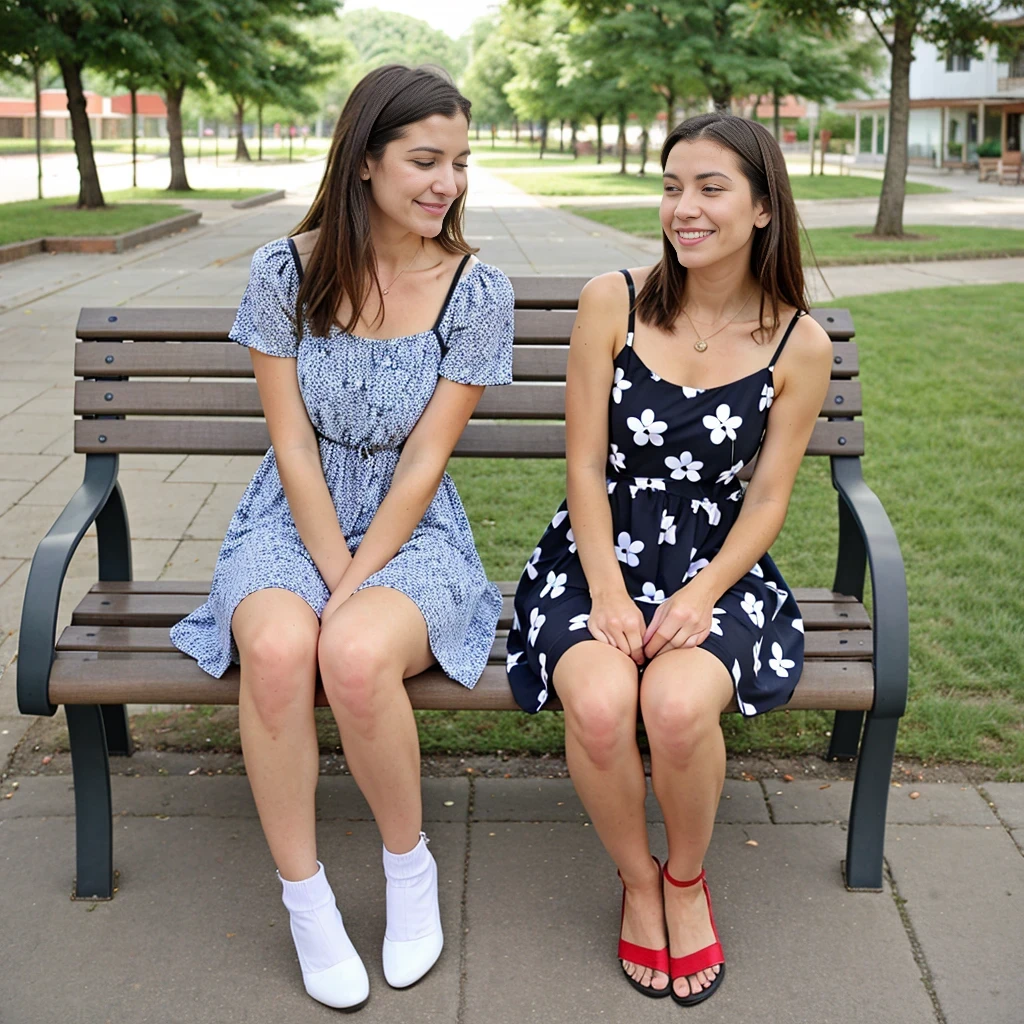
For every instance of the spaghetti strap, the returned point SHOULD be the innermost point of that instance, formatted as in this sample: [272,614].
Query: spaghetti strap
[447,299]
[631,325]
[782,344]
[295,257]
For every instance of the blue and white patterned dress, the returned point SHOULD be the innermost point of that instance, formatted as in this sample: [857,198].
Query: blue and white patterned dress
[363,396]
[672,464]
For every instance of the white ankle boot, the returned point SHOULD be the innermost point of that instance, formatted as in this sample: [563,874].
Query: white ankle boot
[331,969]
[413,938]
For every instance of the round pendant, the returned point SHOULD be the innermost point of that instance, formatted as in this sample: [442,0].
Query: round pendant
[701,345]
[386,290]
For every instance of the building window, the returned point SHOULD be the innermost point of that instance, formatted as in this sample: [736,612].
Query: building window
[956,62]
[1017,65]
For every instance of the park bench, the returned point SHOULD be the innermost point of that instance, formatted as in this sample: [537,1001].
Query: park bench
[157,381]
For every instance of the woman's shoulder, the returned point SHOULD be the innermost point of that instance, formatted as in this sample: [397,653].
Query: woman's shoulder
[609,290]
[483,284]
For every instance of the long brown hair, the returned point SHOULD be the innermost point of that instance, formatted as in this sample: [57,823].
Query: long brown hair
[343,263]
[775,254]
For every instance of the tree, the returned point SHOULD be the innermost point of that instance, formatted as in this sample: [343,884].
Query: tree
[489,71]
[955,26]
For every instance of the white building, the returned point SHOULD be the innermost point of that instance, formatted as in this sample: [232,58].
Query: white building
[955,104]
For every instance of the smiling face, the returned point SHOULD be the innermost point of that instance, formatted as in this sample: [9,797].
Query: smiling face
[707,211]
[420,176]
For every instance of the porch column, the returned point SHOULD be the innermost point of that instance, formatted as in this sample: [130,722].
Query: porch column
[856,134]
[981,122]
[874,132]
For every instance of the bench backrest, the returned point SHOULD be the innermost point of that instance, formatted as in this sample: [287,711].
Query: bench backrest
[168,380]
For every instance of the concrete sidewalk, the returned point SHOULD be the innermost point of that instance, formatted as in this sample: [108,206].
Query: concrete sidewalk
[530,908]
[197,932]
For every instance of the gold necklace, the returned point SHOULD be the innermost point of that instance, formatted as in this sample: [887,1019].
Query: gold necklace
[403,270]
[701,344]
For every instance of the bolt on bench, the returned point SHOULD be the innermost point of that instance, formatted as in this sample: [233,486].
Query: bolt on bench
[117,650]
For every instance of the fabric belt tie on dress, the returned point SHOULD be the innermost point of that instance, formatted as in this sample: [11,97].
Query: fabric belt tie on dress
[365,452]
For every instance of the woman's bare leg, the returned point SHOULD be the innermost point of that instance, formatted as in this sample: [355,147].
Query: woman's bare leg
[682,697]
[597,685]
[276,634]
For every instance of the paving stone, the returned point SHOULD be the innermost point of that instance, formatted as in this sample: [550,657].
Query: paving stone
[1009,800]
[22,527]
[192,560]
[543,910]
[28,434]
[12,728]
[216,469]
[149,557]
[26,467]
[11,491]
[211,521]
[157,509]
[556,800]
[938,803]
[197,930]
[58,487]
[8,567]
[964,893]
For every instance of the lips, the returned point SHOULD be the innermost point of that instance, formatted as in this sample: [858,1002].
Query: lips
[693,236]
[438,209]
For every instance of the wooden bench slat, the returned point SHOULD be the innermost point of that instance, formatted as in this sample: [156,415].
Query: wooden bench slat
[85,678]
[545,307]
[849,645]
[480,439]
[517,401]
[803,595]
[166,609]
[227,359]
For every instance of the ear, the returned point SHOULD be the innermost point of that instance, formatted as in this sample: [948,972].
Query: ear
[762,215]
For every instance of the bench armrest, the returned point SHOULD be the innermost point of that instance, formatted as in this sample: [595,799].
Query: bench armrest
[865,530]
[98,498]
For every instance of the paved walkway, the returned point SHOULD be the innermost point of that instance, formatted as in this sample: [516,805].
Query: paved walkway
[196,932]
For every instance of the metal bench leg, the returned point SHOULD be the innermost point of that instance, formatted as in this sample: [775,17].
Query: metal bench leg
[94,833]
[866,838]
[845,742]
[115,726]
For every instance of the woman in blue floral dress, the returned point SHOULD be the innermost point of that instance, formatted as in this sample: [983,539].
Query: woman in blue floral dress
[350,553]
[652,585]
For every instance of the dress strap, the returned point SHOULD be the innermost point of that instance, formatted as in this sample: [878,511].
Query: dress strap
[295,257]
[631,326]
[782,344]
[447,299]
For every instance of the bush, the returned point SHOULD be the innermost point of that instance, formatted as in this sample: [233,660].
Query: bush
[990,148]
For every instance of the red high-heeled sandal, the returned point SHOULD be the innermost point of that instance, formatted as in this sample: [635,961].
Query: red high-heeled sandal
[654,959]
[703,960]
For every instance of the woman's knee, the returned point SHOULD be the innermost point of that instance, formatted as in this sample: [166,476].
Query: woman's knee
[354,667]
[678,716]
[278,670]
[599,697]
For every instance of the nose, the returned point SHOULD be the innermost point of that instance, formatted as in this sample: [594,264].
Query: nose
[445,185]
[687,206]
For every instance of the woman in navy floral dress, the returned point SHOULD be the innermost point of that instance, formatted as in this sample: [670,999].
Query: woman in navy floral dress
[373,332]
[652,584]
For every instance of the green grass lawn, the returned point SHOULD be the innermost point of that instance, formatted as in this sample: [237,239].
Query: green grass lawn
[41,218]
[197,193]
[835,247]
[829,186]
[943,371]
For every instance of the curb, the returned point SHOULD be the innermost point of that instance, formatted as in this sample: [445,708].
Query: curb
[99,243]
[263,197]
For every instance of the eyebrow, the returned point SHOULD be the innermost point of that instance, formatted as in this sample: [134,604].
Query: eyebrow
[434,149]
[700,177]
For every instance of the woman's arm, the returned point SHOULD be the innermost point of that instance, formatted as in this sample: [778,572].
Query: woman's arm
[684,620]
[413,486]
[614,618]
[298,464]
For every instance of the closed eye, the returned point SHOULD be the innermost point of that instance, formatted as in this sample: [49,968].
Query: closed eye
[427,164]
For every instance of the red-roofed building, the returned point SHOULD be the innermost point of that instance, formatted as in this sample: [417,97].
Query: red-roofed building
[110,117]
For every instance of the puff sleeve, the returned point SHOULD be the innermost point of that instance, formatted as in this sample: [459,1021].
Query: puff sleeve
[482,326]
[264,318]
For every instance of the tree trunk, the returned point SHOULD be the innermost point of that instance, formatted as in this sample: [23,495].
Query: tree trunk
[135,131]
[573,144]
[241,149]
[776,119]
[531,131]
[722,97]
[515,128]
[39,132]
[600,143]
[259,128]
[561,135]
[670,108]
[494,135]
[543,136]
[890,205]
[644,140]
[622,143]
[89,193]
[173,95]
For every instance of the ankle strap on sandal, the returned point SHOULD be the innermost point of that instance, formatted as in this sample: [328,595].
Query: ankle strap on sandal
[676,882]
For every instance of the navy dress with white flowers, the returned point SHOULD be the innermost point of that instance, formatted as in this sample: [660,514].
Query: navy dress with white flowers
[672,465]
[364,396]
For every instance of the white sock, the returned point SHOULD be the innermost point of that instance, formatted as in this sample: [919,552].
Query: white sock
[331,968]
[411,893]
[413,939]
